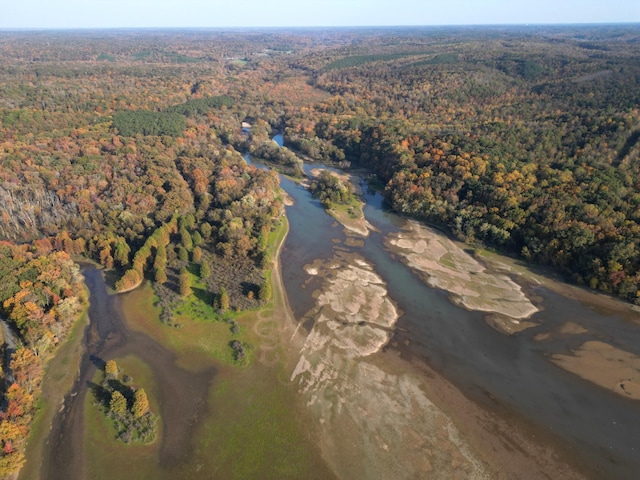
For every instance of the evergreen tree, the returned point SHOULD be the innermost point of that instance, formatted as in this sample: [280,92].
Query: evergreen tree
[160,275]
[161,257]
[183,255]
[265,292]
[223,299]
[185,238]
[184,282]
[205,270]
[205,228]
[111,369]
[196,255]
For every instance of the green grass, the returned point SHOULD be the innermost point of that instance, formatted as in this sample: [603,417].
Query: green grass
[202,332]
[257,434]
[357,60]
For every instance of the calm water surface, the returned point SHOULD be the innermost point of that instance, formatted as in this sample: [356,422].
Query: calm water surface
[512,374]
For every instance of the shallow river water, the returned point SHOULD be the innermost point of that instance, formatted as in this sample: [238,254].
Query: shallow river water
[367,323]
[510,374]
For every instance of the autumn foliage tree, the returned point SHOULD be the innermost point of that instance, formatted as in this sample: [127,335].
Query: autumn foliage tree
[184,282]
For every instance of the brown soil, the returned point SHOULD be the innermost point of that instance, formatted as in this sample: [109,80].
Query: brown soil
[605,365]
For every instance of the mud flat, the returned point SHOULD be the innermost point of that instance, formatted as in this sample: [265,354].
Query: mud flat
[443,264]
[605,365]
[374,423]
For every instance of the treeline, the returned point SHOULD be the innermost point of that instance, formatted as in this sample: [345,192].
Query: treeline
[533,153]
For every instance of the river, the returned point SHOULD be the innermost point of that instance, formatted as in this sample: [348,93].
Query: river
[510,374]
[365,377]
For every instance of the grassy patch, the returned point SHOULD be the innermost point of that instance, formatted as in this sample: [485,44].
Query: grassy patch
[256,433]
[201,331]
[356,60]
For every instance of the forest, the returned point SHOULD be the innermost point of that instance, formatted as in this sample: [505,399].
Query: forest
[125,149]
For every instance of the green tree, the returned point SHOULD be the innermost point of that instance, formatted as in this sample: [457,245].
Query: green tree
[205,228]
[223,297]
[197,238]
[185,239]
[183,255]
[161,257]
[184,282]
[265,292]
[160,275]
[118,404]
[122,251]
[205,270]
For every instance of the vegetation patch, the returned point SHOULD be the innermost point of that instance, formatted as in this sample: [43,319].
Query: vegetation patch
[107,456]
[356,60]
[126,405]
[201,106]
[144,122]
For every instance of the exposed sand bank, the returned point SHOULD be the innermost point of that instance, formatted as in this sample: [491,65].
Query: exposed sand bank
[605,365]
[444,265]
[374,424]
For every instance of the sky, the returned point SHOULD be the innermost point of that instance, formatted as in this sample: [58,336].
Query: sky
[40,14]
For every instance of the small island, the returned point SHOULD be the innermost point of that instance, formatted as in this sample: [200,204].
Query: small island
[339,197]
[126,405]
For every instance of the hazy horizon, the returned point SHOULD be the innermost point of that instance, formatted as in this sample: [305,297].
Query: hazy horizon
[203,14]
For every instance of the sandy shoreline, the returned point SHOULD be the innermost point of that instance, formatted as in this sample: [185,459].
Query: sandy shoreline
[382,417]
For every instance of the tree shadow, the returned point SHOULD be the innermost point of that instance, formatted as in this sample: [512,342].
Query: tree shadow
[249,287]
[203,295]
[98,362]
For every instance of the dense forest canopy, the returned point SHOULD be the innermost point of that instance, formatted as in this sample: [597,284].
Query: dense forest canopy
[521,138]
[125,147]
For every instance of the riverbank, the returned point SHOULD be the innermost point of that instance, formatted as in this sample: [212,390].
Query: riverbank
[600,362]
[242,422]
[60,374]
